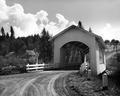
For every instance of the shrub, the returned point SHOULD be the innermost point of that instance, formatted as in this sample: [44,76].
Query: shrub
[20,65]
[12,65]
[6,70]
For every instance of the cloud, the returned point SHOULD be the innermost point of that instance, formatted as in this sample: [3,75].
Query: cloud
[109,32]
[62,21]
[3,11]
[42,16]
[26,24]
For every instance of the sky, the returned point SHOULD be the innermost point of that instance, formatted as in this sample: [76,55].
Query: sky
[29,17]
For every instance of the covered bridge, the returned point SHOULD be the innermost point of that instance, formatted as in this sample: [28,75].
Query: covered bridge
[74,43]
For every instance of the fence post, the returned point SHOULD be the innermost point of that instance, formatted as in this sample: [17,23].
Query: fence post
[27,66]
[36,66]
[105,81]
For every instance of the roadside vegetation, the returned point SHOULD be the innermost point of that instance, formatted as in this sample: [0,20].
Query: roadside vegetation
[16,53]
[78,85]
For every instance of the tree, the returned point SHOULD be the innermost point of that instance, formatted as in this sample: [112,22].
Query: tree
[4,43]
[45,47]
[12,32]
[3,31]
[19,46]
[36,42]
[116,42]
[112,42]
[80,25]
[107,42]
[7,36]
[30,43]
[4,48]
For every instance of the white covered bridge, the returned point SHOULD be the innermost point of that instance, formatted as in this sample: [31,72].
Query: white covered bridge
[72,44]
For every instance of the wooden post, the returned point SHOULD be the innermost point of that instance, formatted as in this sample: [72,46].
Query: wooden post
[36,66]
[27,67]
[105,81]
[89,74]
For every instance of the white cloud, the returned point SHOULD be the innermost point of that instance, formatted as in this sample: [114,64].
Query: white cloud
[3,11]
[52,28]
[28,24]
[109,32]
[42,16]
[62,21]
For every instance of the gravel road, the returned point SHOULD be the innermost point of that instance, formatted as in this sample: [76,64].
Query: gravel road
[39,83]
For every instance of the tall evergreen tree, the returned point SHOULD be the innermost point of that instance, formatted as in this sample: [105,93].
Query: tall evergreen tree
[45,47]
[80,25]
[12,32]
[7,36]
[4,43]
[19,46]
[2,31]
[30,43]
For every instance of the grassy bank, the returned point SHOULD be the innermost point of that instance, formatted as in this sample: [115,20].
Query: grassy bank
[80,86]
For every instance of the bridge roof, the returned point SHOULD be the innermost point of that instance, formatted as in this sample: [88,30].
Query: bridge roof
[97,38]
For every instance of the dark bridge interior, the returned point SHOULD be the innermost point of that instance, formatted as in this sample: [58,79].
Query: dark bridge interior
[72,55]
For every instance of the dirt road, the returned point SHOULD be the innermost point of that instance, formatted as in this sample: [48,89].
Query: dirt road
[31,84]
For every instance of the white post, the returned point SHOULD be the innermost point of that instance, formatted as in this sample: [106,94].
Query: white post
[36,66]
[27,66]
[85,59]
[105,81]
[89,74]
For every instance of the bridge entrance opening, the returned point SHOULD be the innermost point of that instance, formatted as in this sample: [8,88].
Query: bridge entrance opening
[72,55]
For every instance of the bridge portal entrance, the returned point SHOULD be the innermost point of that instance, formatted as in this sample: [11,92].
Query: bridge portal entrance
[73,53]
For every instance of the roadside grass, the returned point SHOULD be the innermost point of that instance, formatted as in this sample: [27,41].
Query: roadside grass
[80,86]
[113,64]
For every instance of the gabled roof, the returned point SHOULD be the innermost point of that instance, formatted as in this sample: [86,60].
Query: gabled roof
[98,38]
[65,30]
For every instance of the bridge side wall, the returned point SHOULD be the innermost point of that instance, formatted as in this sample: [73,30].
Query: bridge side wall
[100,66]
